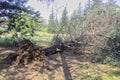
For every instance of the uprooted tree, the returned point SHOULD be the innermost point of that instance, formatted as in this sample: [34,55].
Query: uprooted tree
[27,52]
[97,37]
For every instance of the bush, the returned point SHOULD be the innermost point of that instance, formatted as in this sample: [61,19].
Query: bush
[105,56]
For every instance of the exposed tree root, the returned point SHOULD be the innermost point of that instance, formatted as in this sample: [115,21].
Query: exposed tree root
[27,53]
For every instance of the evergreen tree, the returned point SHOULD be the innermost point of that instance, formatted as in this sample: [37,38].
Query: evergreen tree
[64,21]
[64,18]
[10,7]
[20,18]
[76,21]
[52,22]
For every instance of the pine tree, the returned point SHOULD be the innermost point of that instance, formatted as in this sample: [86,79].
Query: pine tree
[52,22]
[20,18]
[64,21]
[10,7]
[76,21]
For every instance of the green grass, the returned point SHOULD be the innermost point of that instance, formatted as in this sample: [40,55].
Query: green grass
[41,38]
[97,72]
[1,58]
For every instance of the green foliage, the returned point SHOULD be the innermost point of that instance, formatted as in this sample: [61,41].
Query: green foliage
[52,25]
[44,29]
[64,21]
[75,23]
[64,18]
[5,42]
[11,7]
[22,20]
[22,25]
[111,61]
[1,58]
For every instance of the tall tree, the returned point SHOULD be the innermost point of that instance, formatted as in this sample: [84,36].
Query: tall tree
[76,21]
[79,11]
[64,20]
[52,22]
[47,1]
[21,19]
[87,6]
[10,7]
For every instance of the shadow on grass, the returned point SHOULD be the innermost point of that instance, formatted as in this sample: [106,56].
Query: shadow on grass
[3,62]
[116,73]
[8,42]
[98,78]
[53,65]
[3,65]
[3,53]
[87,78]
[66,70]
[65,62]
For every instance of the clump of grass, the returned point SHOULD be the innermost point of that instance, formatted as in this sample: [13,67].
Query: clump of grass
[1,58]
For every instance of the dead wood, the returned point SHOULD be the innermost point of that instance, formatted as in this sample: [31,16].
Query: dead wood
[54,49]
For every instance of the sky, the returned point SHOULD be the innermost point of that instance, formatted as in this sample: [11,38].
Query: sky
[57,6]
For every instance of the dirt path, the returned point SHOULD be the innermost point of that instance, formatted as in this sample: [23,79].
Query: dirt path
[60,67]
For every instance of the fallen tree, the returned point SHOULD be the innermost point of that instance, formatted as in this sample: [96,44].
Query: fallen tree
[27,52]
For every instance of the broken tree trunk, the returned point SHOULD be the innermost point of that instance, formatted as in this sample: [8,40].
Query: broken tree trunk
[53,49]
